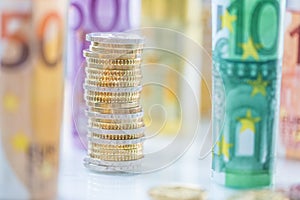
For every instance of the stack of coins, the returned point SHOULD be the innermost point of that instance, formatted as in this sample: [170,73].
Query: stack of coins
[112,92]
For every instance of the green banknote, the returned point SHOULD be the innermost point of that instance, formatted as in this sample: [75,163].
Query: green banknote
[247,53]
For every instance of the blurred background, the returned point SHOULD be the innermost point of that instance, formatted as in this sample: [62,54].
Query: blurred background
[41,60]
[42,72]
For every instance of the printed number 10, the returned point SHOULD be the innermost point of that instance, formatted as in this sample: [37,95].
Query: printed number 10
[253,30]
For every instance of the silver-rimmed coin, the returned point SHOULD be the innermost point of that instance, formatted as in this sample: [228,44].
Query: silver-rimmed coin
[111,84]
[122,106]
[113,90]
[112,56]
[98,101]
[114,115]
[119,132]
[113,72]
[116,120]
[103,50]
[111,166]
[115,110]
[108,146]
[116,38]
[116,157]
[116,142]
[115,136]
[112,67]
[117,62]
[177,192]
[115,126]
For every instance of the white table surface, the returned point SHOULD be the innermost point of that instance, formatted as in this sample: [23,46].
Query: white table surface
[76,182]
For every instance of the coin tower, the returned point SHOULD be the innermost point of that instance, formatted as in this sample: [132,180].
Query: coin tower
[112,90]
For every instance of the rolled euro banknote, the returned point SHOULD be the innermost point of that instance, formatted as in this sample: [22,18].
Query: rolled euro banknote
[247,43]
[290,108]
[31,97]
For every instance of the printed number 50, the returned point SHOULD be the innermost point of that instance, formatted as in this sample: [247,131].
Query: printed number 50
[22,39]
[15,37]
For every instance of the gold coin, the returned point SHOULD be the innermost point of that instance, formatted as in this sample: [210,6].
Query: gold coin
[116,136]
[100,78]
[116,126]
[114,72]
[125,120]
[98,101]
[92,93]
[120,84]
[111,56]
[118,46]
[177,193]
[125,72]
[99,49]
[118,146]
[115,106]
[95,96]
[114,93]
[115,151]
[119,62]
[259,195]
[127,75]
[112,67]
[116,38]
[117,157]
[114,110]
[114,79]
[115,117]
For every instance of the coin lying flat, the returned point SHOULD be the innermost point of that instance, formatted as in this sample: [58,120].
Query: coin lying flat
[112,166]
[177,193]
[259,195]
[119,147]
[294,192]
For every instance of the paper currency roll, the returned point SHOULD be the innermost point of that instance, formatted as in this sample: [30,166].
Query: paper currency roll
[290,109]
[31,96]
[247,53]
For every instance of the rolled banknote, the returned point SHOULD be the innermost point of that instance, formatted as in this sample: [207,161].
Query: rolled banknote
[247,43]
[290,108]
[31,97]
